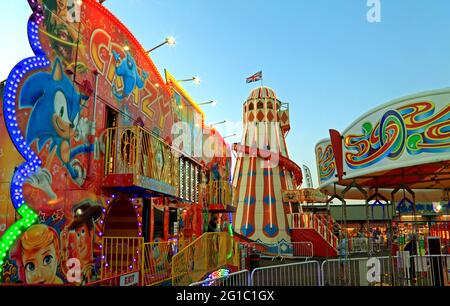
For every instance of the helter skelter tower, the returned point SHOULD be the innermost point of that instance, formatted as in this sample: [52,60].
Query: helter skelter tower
[263,170]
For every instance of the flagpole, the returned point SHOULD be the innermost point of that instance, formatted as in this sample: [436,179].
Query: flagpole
[262,84]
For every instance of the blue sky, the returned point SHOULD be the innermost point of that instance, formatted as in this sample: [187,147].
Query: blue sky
[321,56]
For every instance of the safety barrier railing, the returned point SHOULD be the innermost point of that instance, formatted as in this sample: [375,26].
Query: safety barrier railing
[120,255]
[313,221]
[219,193]
[296,274]
[157,266]
[355,272]
[328,219]
[207,253]
[427,270]
[241,279]
[133,150]
[399,270]
[128,261]
[283,250]
[157,260]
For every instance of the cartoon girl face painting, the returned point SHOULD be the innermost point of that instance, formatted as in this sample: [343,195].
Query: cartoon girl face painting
[37,255]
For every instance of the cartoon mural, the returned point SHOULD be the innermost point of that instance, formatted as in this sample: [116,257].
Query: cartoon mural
[127,69]
[326,166]
[54,117]
[414,128]
[37,255]
[78,238]
[57,109]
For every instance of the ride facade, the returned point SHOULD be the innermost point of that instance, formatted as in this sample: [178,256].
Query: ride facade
[396,158]
[95,143]
[263,170]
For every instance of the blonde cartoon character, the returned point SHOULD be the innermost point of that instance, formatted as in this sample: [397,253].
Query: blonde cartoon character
[37,255]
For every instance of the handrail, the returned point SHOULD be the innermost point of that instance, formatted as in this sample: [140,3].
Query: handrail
[203,255]
[134,150]
[312,221]
[219,193]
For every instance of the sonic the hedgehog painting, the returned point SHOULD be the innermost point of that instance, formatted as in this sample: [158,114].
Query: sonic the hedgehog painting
[54,117]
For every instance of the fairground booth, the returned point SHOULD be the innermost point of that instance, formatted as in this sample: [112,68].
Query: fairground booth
[106,165]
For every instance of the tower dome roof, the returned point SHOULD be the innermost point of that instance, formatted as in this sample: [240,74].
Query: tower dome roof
[261,93]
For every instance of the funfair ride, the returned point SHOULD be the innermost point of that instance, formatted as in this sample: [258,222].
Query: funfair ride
[264,174]
[394,157]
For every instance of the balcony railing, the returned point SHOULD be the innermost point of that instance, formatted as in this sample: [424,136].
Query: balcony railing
[219,193]
[133,150]
[209,252]
[316,222]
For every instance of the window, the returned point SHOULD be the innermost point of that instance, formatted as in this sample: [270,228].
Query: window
[111,117]
[158,225]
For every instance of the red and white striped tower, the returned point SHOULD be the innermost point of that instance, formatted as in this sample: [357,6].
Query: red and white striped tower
[263,170]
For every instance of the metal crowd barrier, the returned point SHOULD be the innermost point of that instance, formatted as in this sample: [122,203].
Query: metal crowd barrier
[205,254]
[428,270]
[291,250]
[241,278]
[400,270]
[297,274]
[355,272]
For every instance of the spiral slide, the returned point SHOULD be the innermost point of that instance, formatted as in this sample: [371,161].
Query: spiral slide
[284,162]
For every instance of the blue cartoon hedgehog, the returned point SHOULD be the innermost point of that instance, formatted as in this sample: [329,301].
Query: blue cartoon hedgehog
[54,116]
[128,70]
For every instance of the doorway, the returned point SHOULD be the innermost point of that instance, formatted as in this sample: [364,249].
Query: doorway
[111,117]
[121,220]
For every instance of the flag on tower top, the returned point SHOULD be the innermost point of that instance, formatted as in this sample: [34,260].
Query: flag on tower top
[256,77]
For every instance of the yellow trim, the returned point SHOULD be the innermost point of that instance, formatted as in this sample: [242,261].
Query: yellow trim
[58,39]
[170,80]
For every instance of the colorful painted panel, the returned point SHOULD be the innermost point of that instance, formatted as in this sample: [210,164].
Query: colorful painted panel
[406,132]
[55,107]
[326,165]
[188,120]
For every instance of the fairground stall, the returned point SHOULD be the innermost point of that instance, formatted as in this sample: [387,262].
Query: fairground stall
[102,159]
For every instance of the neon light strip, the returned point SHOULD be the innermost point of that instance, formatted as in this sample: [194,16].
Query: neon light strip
[29,217]
[32,161]
[230,231]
